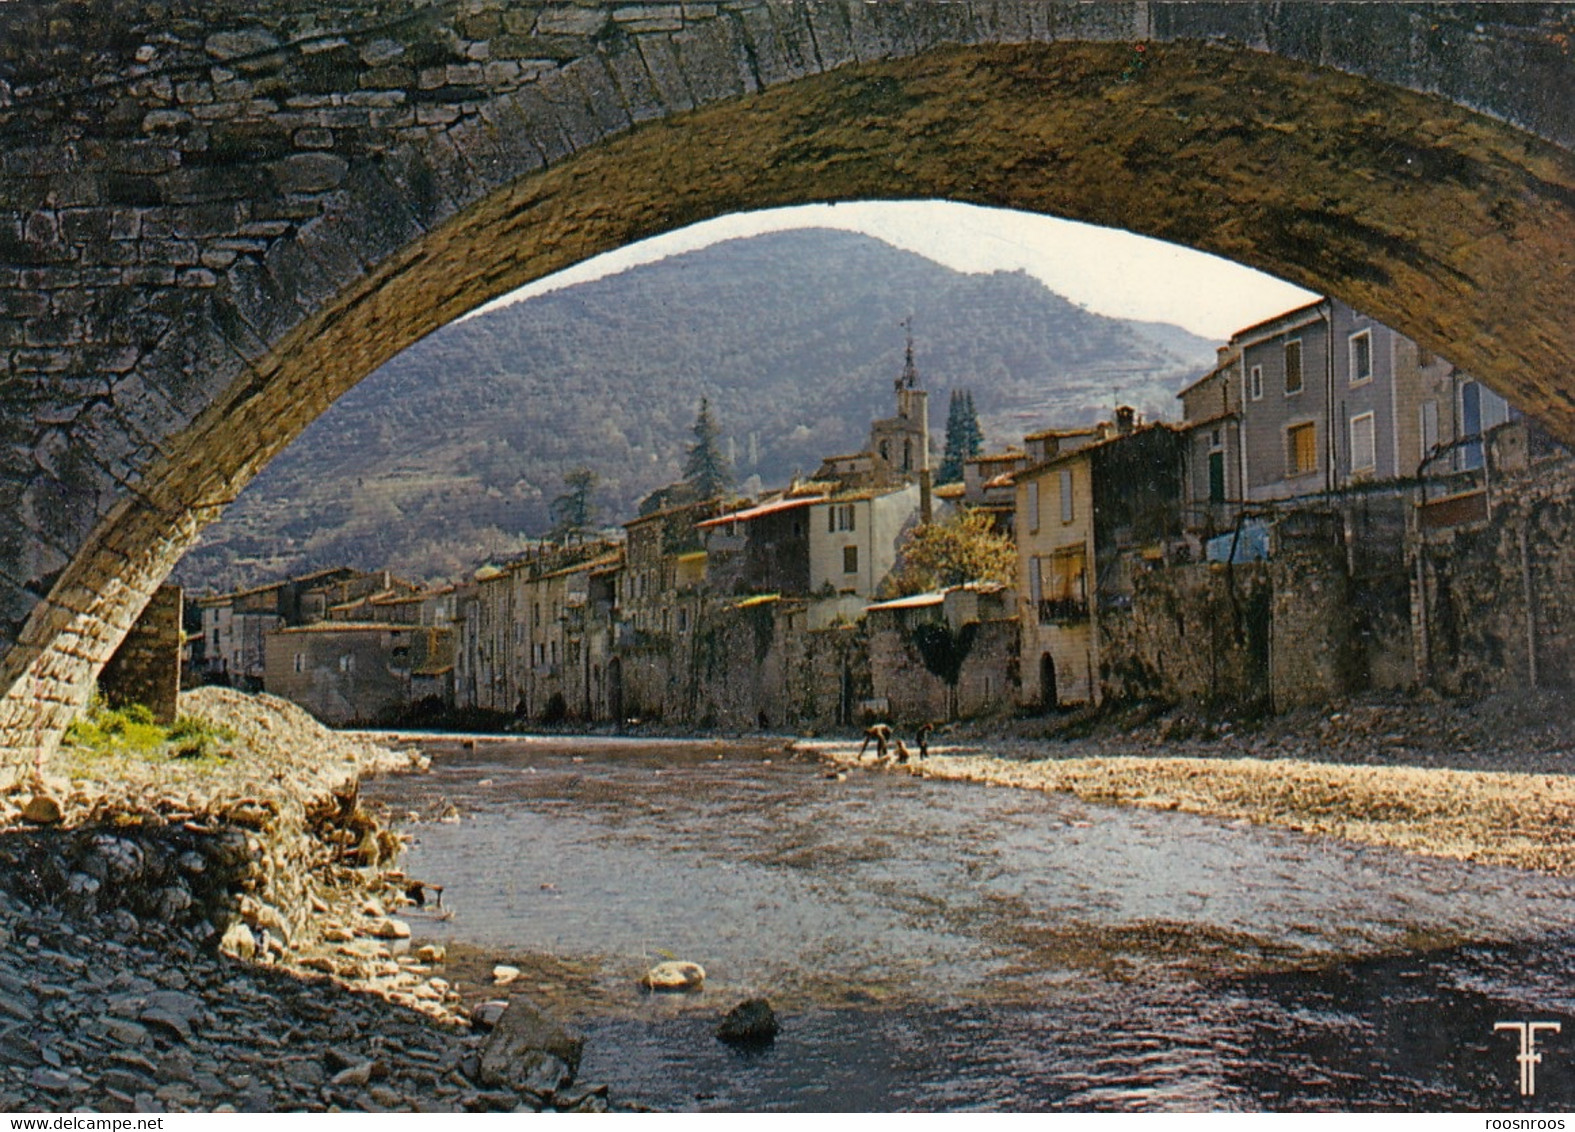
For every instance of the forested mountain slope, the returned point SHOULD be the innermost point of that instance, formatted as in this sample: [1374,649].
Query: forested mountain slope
[453,451]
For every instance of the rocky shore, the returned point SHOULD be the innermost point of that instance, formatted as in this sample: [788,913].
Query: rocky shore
[1488,781]
[226,933]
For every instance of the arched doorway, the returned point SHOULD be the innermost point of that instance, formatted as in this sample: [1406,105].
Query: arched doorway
[615,689]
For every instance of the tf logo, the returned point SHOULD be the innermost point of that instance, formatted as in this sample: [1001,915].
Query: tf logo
[1529,1058]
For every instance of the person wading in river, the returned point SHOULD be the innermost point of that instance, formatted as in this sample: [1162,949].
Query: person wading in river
[881,733]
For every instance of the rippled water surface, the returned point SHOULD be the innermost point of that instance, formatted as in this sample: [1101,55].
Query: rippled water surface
[950,946]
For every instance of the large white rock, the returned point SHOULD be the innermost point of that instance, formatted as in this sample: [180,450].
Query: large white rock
[674,975]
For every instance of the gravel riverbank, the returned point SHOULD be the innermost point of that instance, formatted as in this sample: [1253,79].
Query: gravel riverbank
[226,933]
[1487,781]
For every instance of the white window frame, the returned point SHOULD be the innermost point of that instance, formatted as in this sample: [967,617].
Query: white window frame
[1372,443]
[1255,383]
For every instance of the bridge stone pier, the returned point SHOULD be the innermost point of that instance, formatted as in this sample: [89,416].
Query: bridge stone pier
[216,217]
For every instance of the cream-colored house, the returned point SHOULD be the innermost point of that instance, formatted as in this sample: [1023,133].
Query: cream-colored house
[854,536]
[1055,546]
[1087,520]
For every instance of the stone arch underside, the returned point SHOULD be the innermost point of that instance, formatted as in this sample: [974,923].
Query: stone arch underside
[239,295]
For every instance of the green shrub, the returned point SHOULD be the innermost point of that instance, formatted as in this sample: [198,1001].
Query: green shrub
[132,730]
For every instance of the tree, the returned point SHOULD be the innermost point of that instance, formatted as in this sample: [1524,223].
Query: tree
[707,469]
[964,438]
[943,651]
[963,548]
[574,511]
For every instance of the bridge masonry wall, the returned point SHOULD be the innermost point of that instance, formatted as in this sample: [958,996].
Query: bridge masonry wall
[185,186]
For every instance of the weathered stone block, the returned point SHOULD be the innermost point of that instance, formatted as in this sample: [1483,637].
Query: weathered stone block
[231,45]
[564,19]
[310,173]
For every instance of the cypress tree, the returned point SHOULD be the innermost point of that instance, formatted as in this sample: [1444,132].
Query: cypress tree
[707,469]
[574,511]
[964,438]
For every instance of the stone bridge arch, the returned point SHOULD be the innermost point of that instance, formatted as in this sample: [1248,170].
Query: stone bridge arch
[215,218]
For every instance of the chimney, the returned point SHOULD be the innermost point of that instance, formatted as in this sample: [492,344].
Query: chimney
[1126,420]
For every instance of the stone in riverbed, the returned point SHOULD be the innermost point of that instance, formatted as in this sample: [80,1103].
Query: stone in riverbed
[41,809]
[390,928]
[750,1024]
[674,976]
[238,941]
[503,975]
[485,1015]
[528,1050]
[355,1077]
[431,953]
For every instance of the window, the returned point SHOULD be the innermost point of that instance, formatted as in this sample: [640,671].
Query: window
[300,662]
[842,518]
[1035,580]
[1361,357]
[1031,505]
[1428,425]
[1255,383]
[1067,512]
[683,620]
[1470,455]
[850,560]
[1063,587]
[1301,449]
[1293,366]
[347,663]
[1364,456]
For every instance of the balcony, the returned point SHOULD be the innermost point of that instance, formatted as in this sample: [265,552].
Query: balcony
[1062,611]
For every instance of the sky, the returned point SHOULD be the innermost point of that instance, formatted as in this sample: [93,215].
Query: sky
[1107,270]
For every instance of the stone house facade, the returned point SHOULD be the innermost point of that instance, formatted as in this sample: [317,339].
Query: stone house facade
[351,672]
[975,628]
[235,625]
[1087,520]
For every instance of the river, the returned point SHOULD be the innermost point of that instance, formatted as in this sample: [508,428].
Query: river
[951,946]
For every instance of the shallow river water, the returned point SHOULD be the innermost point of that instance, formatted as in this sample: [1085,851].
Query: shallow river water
[950,946]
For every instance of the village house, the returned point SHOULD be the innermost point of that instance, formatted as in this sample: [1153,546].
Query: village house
[486,627]
[1324,399]
[969,633]
[361,672]
[987,486]
[566,606]
[1086,518]
[234,625]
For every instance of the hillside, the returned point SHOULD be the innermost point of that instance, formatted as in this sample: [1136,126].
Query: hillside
[452,452]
